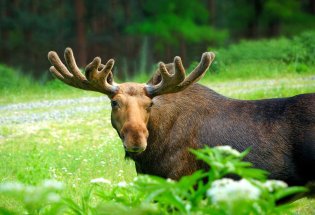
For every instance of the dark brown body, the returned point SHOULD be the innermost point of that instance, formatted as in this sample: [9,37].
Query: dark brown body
[281,133]
[159,121]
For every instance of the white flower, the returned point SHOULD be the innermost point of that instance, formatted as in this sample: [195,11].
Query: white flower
[53,197]
[188,207]
[273,185]
[228,150]
[52,184]
[226,190]
[170,180]
[122,184]
[100,180]
[11,186]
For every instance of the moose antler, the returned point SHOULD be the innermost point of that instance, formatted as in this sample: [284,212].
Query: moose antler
[98,77]
[172,83]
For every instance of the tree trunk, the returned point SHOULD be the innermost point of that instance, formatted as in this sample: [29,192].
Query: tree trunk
[183,50]
[80,25]
[253,25]
[311,6]
[213,12]
[274,28]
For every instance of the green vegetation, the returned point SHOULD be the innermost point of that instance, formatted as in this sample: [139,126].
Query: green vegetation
[283,58]
[153,195]
[281,55]
[79,144]
[31,28]
[52,133]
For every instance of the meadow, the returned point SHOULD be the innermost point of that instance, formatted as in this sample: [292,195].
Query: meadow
[51,131]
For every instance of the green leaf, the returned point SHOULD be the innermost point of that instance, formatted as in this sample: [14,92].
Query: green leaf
[289,192]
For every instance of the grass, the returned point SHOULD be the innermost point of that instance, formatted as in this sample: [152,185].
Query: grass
[77,143]
[83,146]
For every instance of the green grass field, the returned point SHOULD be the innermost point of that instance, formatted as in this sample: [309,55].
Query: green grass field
[66,134]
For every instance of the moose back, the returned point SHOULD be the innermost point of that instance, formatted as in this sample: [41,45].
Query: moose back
[160,120]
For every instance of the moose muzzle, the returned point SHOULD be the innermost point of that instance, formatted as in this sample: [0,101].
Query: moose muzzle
[134,137]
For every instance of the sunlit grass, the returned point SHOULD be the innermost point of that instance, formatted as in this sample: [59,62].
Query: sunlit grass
[73,150]
[78,147]
[265,88]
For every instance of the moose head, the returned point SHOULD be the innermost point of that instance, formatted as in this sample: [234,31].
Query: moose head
[131,102]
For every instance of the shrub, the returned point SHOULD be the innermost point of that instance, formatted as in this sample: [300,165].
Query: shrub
[298,52]
[12,79]
[204,192]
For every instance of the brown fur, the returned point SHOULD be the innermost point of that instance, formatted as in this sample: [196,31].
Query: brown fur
[158,126]
[279,131]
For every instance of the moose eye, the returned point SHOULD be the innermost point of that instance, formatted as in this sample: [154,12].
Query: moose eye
[114,104]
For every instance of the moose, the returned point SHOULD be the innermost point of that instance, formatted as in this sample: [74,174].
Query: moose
[159,121]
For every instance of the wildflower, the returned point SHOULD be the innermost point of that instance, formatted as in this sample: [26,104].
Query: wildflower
[274,185]
[122,184]
[170,180]
[100,180]
[225,190]
[12,187]
[228,150]
[188,207]
[53,197]
[52,184]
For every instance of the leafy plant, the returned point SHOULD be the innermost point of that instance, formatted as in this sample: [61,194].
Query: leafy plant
[203,192]
[44,198]
[207,192]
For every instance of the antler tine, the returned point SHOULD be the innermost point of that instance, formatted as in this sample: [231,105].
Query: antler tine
[103,77]
[200,70]
[98,76]
[172,83]
[168,80]
[72,65]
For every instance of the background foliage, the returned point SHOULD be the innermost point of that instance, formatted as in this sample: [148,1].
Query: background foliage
[139,33]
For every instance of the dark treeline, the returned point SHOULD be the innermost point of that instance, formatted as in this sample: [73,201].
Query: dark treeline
[138,33]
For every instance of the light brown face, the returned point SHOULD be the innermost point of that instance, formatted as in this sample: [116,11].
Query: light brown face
[130,115]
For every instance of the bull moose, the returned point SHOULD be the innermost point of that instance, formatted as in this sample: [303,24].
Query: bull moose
[160,120]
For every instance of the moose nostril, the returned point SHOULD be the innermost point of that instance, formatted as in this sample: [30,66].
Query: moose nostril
[136,149]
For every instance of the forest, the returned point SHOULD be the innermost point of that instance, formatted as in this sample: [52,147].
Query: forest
[138,33]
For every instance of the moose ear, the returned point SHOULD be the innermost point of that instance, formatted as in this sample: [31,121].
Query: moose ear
[157,78]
